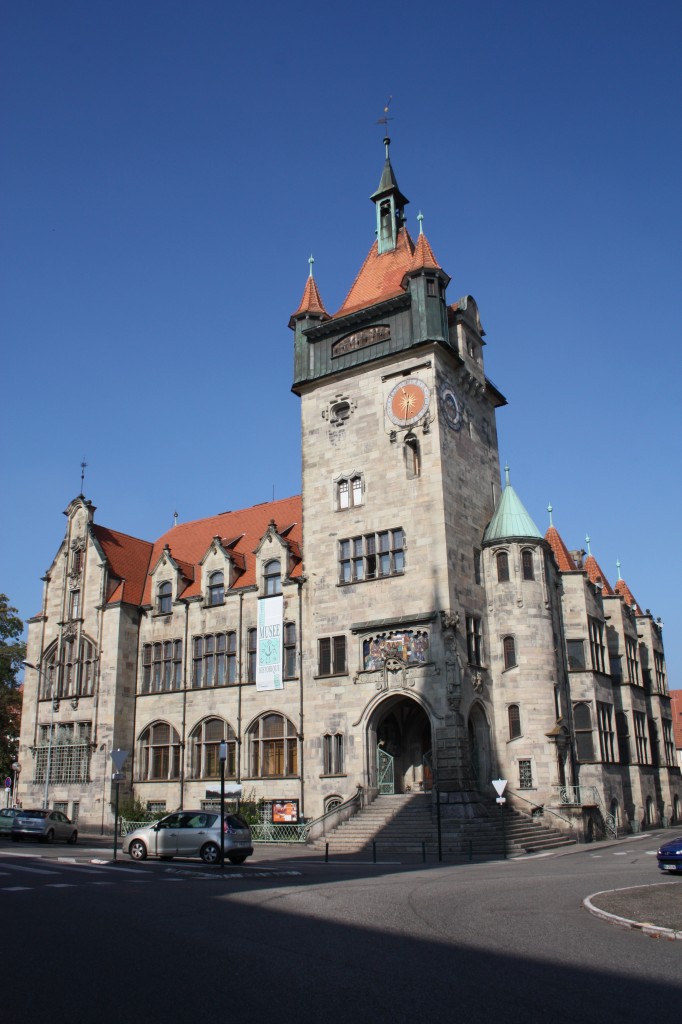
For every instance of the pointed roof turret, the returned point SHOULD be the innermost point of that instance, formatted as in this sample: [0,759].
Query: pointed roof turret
[595,574]
[511,521]
[390,206]
[622,589]
[562,555]
[311,303]
[423,253]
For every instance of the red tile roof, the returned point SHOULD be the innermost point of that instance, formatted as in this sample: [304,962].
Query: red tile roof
[595,574]
[189,542]
[128,559]
[676,708]
[423,255]
[380,276]
[624,591]
[559,550]
[311,301]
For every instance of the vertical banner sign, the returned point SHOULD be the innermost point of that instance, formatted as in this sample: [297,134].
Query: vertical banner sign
[269,644]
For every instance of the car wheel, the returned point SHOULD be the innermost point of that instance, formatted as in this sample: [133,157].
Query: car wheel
[73,838]
[137,850]
[49,838]
[165,857]
[237,858]
[210,853]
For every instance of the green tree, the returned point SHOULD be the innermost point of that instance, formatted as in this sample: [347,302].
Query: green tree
[12,654]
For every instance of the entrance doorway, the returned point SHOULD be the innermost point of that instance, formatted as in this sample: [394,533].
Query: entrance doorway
[400,733]
[480,748]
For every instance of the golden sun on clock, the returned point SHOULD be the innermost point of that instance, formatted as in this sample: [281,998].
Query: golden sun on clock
[408,402]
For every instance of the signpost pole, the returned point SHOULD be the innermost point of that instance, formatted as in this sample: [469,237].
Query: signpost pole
[222,756]
[118,758]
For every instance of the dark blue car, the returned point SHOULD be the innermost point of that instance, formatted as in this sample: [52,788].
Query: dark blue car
[670,855]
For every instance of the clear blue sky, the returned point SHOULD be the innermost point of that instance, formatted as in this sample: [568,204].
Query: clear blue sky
[168,168]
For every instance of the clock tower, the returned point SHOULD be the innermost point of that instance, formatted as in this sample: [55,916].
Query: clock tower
[400,476]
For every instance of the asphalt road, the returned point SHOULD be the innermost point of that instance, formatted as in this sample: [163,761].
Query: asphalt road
[288,938]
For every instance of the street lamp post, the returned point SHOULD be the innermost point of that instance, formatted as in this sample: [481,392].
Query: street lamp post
[222,757]
[118,758]
[50,741]
[500,786]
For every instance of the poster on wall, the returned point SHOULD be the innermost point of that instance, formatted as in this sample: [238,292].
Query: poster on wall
[269,644]
[285,812]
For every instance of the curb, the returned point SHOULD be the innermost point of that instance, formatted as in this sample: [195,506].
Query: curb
[652,930]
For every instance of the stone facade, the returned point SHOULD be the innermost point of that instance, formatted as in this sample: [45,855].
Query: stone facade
[429,637]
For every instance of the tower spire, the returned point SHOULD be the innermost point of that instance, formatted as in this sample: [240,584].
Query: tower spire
[390,206]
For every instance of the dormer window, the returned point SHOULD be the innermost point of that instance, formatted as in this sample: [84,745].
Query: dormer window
[216,588]
[272,577]
[164,598]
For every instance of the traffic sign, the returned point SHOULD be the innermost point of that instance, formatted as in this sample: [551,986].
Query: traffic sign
[8,783]
[118,756]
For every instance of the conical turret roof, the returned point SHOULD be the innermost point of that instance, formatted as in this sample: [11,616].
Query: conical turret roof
[511,521]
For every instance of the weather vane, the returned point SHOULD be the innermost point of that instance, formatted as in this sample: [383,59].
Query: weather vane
[84,466]
[385,119]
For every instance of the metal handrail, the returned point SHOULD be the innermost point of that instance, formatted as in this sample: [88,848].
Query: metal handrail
[543,807]
[575,796]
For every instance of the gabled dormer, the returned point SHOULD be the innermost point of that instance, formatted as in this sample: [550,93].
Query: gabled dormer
[170,578]
[275,560]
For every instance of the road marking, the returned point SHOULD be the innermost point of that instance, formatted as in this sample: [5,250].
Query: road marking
[16,888]
[620,853]
[35,871]
[60,885]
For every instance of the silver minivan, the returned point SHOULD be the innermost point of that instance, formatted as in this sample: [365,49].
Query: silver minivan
[191,834]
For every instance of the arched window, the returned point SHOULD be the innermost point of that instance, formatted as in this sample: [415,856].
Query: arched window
[72,675]
[273,747]
[159,752]
[349,491]
[514,717]
[527,565]
[272,577]
[164,598]
[216,588]
[331,802]
[204,742]
[509,649]
[502,560]
[582,721]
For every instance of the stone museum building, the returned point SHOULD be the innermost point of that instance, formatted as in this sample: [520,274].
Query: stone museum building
[402,625]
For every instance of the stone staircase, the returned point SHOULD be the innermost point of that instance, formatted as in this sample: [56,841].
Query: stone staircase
[406,823]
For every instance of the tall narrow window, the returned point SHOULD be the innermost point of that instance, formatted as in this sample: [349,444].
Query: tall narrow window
[509,649]
[272,577]
[525,774]
[623,734]
[606,737]
[412,456]
[582,720]
[474,640]
[289,650]
[164,598]
[159,752]
[332,752]
[251,648]
[204,742]
[527,565]
[216,588]
[597,648]
[74,604]
[502,559]
[514,721]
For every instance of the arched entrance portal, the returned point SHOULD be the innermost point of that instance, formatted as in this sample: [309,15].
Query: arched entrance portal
[480,748]
[400,746]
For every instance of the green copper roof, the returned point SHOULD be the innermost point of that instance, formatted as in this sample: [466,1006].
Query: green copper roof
[510,519]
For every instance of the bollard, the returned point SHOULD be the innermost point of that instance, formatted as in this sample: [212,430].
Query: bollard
[471,850]
[374,851]
[326,853]
[423,852]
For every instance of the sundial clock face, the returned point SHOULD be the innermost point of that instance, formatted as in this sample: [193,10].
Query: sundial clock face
[452,414]
[408,402]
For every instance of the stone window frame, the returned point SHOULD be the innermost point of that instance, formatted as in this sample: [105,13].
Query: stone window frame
[272,577]
[514,721]
[272,743]
[155,748]
[332,655]
[509,652]
[349,491]
[162,664]
[583,728]
[474,627]
[527,564]
[502,567]
[525,773]
[214,656]
[215,591]
[333,754]
[204,749]
[164,598]
[371,556]
[606,732]
[289,651]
